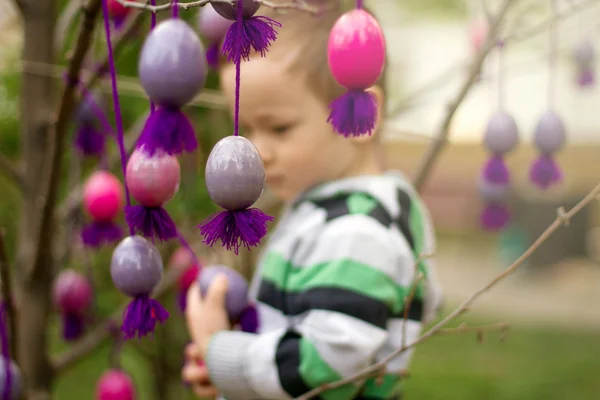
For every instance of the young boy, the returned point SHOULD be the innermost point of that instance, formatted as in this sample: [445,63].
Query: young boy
[332,282]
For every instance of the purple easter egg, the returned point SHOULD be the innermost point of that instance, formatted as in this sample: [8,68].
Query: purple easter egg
[237,289]
[502,133]
[584,54]
[72,292]
[235,174]
[549,135]
[87,111]
[152,180]
[212,25]
[226,10]
[136,266]
[172,64]
[16,380]
[493,192]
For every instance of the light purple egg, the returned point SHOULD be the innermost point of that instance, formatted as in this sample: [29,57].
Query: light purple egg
[237,290]
[502,133]
[172,64]
[212,25]
[226,10]
[72,292]
[16,380]
[549,135]
[584,54]
[493,192]
[136,266]
[235,174]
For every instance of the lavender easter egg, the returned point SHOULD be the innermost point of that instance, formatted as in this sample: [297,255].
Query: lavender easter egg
[584,54]
[16,380]
[172,64]
[90,106]
[549,135]
[103,196]
[72,292]
[136,266]
[493,192]
[237,289]
[115,385]
[212,25]
[226,10]
[235,174]
[152,180]
[502,133]
[356,50]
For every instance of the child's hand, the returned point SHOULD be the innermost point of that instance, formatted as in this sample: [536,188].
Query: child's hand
[207,316]
[196,375]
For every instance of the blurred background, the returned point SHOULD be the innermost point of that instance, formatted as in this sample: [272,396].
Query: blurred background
[552,350]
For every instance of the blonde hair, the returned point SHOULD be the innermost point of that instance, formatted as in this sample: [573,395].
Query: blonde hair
[302,43]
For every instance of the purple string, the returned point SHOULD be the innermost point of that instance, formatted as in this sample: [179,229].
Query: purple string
[96,108]
[500,46]
[175,9]
[359,4]
[553,36]
[152,25]
[115,95]
[6,395]
[238,73]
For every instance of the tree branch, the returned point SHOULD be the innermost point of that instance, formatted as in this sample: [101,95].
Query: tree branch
[11,172]
[292,4]
[442,136]
[562,218]
[8,295]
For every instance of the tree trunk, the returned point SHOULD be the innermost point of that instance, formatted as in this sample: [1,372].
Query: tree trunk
[36,116]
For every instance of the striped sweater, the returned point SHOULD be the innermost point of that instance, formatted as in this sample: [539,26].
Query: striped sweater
[330,288]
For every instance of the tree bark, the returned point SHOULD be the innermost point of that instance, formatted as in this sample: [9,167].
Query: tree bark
[36,116]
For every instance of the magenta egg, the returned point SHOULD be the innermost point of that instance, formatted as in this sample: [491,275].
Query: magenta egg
[115,385]
[103,196]
[212,25]
[237,291]
[16,380]
[356,50]
[152,180]
[72,292]
[226,10]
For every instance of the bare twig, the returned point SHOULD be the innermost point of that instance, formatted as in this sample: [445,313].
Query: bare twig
[7,294]
[561,219]
[442,135]
[292,4]
[11,172]
[464,328]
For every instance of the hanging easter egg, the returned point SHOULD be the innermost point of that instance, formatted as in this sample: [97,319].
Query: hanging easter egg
[72,295]
[501,137]
[92,104]
[496,213]
[235,178]
[103,198]
[237,290]
[115,385]
[493,192]
[117,12]
[136,269]
[238,42]
[12,380]
[171,66]
[585,57]
[152,180]
[356,56]
[213,27]
[549,138]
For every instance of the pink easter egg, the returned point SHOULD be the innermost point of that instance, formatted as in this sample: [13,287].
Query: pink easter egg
[72,292]
[115,385]
[152,180]
[477,33]
[356,50]
[103,196]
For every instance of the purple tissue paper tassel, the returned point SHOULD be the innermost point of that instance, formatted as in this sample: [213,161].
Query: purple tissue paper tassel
[586,78]
[152,222]
[73,326]
[253,33]
[97,234]
[90,140]
[495,171]
[249,319]
[545,172]
[354,113]
[168,130]
[212,56]
[140,317]
[235,228]
[495,216]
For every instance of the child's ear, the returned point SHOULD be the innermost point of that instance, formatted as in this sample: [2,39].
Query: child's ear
[380,100]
